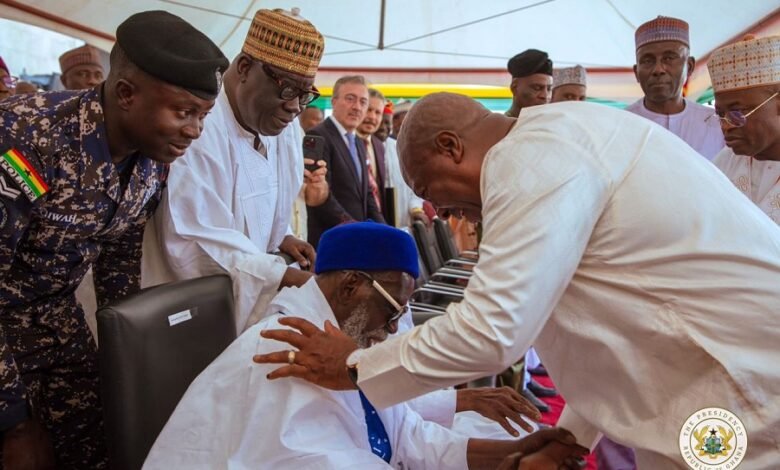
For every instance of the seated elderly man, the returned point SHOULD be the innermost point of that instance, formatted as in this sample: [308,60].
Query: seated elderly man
[232,416]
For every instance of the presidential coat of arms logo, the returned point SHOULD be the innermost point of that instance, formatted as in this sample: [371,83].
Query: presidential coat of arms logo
[713,439]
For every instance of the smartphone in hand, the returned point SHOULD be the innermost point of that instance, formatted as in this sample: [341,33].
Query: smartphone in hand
[313,148]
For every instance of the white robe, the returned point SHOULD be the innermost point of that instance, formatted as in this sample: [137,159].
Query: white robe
[405,199]
[230,208]
[759,180]
[635,262]
[439,406]
[691,125]
[233,417]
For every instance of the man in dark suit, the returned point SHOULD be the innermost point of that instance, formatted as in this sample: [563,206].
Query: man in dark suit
[345,154]
[375,160]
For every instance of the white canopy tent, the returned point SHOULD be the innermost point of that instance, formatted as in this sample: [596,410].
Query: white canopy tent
[445,42]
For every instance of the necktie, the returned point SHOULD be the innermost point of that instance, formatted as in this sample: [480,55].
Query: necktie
[354,153]
[377,435]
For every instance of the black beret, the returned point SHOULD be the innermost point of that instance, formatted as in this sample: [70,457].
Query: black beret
[530,62]
[172,50]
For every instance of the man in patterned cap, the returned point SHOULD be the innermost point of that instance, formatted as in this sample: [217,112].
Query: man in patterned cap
[663,65]
[532,80]
[746,79]
[239,181]
[81,68]
[80,173]
[570,84]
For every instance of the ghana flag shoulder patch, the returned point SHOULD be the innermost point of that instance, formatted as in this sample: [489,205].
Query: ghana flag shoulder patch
[24,174]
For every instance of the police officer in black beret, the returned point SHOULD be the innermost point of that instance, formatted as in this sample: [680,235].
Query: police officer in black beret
[80,173]
[532,80]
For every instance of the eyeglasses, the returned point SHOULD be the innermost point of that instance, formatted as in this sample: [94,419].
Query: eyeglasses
[10,82]
[289,92]
[735,118]
[397,309]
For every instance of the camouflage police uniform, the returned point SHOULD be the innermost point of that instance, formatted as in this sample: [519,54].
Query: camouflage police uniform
[81,216]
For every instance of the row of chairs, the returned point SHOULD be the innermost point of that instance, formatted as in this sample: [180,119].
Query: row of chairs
[444,270]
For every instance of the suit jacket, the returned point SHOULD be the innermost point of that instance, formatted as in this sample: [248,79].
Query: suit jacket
[349,199]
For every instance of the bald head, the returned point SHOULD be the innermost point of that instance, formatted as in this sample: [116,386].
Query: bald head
[442,144]
[432,115]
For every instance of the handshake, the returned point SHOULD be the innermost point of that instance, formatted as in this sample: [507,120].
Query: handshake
[546,449]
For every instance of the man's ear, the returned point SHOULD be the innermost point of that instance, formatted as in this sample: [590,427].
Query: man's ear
[635,74]
[449,144]
[125,93]
[691,65]
[62,80]
[513,86]
[243,66]
[349,286]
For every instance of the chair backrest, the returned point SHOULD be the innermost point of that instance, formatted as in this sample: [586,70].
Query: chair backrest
[426,243]
[445,239]
[420,317]
[152,346]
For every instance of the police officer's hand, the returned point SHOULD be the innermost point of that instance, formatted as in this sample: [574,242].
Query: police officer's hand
[315,184]
[499,404]
[27,447]
[300,251]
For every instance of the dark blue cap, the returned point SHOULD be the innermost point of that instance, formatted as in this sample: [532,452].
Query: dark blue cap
[366,246]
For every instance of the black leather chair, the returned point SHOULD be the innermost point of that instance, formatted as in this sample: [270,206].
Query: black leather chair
[152,346]
[447,246]
[429,250]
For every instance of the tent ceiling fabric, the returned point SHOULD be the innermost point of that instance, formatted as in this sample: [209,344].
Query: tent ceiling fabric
[594,33]
[437,35]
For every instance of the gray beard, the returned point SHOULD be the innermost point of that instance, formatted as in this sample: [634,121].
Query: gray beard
[356,323]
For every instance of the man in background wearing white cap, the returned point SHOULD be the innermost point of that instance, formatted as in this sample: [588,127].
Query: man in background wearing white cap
[663,64]
[235,190]
[746,79]
[570,84]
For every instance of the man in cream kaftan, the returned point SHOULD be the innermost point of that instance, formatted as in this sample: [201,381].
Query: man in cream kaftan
[634,261]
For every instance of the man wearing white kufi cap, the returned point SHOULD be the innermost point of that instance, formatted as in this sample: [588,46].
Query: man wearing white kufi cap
[569,84]
[663,64]
[746,80]
[238,184]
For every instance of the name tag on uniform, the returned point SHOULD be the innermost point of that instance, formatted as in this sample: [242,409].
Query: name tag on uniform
[180,317]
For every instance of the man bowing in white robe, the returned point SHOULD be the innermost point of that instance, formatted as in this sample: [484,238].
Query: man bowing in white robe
[232,416]
[631,259]
[235,190]
[746,80]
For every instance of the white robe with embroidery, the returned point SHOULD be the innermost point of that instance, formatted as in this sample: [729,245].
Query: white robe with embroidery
[225,210]
[233,417]
[759,180]
[635,262]
[694,125]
